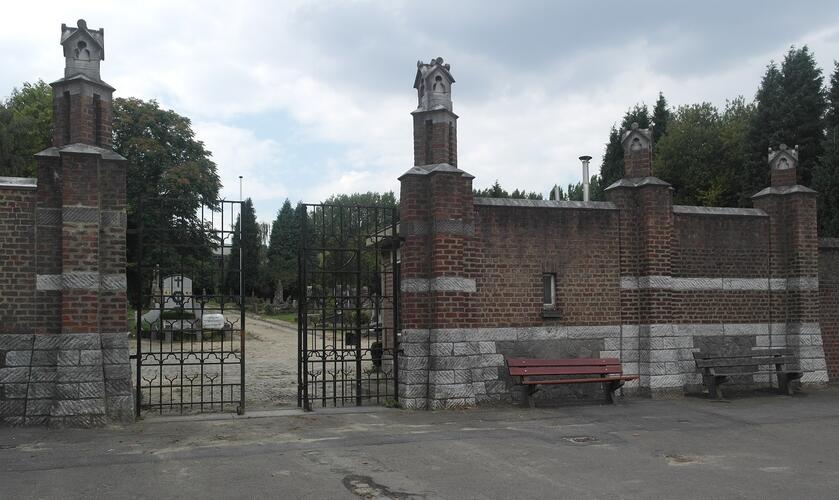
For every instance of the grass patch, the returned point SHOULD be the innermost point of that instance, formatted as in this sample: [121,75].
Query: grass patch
[290,317]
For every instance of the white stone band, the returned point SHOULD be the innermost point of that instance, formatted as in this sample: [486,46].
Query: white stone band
[717,284]
[439,284]
[81,281]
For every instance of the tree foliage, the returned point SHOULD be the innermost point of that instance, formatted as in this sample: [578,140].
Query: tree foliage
[246,241]
[701,152]
[25,128]
[496,191]
[282,249]
[826,173]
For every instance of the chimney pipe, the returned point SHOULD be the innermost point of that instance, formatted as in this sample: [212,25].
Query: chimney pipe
[585,159]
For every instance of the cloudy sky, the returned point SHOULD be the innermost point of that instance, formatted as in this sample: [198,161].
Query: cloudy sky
[306,99]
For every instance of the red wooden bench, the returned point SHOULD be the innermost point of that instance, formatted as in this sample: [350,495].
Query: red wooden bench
[536,372]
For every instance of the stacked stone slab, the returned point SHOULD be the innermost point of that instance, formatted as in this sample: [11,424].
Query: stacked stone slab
[69,364]
[637,277]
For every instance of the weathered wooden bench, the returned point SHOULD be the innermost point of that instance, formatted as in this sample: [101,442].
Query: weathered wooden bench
[716,370]
[536,372]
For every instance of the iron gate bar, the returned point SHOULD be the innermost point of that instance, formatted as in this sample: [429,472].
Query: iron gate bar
[341,280]
[173,362]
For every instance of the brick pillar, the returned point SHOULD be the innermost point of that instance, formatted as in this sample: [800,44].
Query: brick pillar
[794,256]
[436,215]
[646,232]
[78,370]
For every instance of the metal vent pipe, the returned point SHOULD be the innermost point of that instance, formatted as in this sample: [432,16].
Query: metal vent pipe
[585,159]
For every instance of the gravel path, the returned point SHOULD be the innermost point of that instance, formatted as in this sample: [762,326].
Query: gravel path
[270,363]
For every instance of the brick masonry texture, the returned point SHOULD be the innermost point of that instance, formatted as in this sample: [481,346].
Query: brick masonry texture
[63,340]
[636,278]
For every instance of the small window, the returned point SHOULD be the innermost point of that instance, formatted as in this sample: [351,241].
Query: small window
[548,291]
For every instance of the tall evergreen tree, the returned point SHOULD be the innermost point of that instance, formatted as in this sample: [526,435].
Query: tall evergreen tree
[282,250]
[765,129]
[25,128]
[790,110]
[246,241]
[661,117]
[826,173]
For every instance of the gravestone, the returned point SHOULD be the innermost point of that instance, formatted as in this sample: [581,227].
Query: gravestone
[176,292]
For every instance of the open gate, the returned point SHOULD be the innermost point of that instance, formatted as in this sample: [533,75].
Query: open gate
[186,281]
[348,305]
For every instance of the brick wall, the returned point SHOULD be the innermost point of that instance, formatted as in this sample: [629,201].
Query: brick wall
[829,303]
[18,310]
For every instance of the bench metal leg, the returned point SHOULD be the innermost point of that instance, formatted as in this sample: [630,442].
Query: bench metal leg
[713,383]
[531,390]
[610,388]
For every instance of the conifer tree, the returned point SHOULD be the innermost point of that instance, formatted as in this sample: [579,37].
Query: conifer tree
[661,117]
[826,172]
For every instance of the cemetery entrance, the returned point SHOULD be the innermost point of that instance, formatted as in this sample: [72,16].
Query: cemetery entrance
[185,282]
[348,305]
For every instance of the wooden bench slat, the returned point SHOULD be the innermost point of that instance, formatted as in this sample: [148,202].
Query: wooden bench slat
[711,363]
[579,380]
[520,362]
[565,370]
[758,353]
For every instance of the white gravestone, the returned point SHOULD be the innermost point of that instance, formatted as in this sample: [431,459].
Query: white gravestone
[177,292]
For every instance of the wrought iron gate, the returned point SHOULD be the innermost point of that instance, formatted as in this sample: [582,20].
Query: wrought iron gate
[348,305]
[186,281]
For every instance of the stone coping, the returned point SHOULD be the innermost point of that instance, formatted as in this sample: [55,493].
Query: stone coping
[694,210]
[782,190]
[513,202]
[18,182]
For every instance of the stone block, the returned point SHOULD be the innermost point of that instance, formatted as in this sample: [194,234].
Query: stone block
[413,391]
[485,360]
[91,390]
[45,358]
[663,381]
[452,391]
[442,349]
[120,409]
[413,403]
[452,363]
[484,373]
[405,376]
[41,421]
[41,390]
[12,408]
[496,387]
[117,371]
[407,350]
[114,340]
[410,363]
[36,407]
[478,388]
[466,348]
[63,408]
[43,374]
[18,358]
[67,341]
[462,377]
[67,391]
[83,421]
[82,373]
[92,357]
[452,403]
[14,374]
[69,357]
[14,391]
[441,376]
[486,347]
[16,342]
[121,387]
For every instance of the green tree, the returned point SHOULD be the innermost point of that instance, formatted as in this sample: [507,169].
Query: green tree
[282,250]
[826,173]
[661,117]
[245,241]
[496,191]
[25,128]
[702,151]
[790,110]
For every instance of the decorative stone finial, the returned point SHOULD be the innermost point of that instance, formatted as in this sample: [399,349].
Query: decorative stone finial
[433,83]
[783,163]
[83,50]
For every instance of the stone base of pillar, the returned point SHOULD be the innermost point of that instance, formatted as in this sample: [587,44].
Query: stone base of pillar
[73,380]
